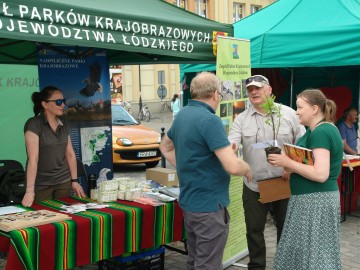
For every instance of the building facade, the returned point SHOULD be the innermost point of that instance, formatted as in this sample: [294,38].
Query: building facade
[147,80]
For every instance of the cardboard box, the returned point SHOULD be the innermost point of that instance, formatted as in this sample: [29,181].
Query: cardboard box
[164,176]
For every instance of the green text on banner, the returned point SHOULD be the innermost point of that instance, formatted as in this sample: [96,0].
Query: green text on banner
[233,67]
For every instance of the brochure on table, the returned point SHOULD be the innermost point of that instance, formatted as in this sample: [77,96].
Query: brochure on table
[10,210]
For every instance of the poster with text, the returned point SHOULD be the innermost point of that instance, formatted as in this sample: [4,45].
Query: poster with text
[233,67]
[85,84]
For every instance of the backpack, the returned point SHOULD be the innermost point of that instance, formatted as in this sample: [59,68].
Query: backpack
[12,187]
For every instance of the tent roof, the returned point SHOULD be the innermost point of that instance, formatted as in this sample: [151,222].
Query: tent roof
[303,33]
[133,31]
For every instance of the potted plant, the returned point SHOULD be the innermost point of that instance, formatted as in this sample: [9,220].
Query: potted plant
[273,112]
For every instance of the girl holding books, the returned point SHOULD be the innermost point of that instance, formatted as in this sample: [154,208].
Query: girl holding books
[310,238]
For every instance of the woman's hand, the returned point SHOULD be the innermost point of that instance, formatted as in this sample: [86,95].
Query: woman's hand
[79,191]
[28,199]
[286,174]
[278,160]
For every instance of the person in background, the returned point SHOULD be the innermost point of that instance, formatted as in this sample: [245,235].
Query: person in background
[310,238]
[249,128]
[51,169]
[204,160]
[348,131]
[175,105]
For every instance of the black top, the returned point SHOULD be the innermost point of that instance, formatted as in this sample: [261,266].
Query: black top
[53,168]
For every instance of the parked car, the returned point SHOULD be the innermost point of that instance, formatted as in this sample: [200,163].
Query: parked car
[132,142]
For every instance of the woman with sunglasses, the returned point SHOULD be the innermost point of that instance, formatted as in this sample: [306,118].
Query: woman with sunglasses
[51,169]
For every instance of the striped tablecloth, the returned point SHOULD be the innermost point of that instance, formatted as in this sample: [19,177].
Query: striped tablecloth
[92,235]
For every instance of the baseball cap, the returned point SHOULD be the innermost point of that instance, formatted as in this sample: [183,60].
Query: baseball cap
[256,80]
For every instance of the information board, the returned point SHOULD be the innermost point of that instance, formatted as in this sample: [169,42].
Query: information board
[233,67]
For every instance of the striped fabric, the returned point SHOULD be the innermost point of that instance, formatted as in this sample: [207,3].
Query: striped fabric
[92,235]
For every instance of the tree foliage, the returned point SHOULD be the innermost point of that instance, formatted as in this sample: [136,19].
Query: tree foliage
[274,115]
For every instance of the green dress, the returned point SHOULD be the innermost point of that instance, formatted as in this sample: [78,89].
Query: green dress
[310,238]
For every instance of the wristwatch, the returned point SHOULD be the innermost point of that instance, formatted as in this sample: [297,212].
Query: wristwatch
[74,180]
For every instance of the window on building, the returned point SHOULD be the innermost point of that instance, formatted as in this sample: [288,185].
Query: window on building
[180,3]
[254,9]
[161,77]
[238,11]
[201,8]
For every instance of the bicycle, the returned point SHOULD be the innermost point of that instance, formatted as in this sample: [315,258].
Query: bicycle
[165,106]
[144,113]
[127,106]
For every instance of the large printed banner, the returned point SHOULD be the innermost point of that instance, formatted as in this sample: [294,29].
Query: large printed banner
[86,87]
[17,83]
[117,25]
[233,67]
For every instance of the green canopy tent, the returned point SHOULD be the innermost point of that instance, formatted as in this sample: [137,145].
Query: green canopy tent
[132,31]
[303,33]
[315,43]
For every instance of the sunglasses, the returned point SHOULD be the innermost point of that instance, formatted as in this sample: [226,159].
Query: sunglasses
[58,102]
[256,78]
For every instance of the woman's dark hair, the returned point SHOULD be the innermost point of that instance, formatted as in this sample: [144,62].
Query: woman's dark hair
[317,97]
[175,97]
[43,95]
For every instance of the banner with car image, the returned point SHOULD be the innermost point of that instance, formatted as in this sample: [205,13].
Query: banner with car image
[233,67]
[86,87]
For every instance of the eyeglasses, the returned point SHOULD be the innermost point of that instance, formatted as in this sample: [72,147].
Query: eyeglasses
[257,78]
[221,96]
[58,102]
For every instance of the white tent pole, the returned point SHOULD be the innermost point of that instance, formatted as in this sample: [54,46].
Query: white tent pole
[291,87]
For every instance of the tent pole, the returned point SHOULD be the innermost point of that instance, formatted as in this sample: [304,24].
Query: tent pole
[140,99]
[358,138]
[291,87]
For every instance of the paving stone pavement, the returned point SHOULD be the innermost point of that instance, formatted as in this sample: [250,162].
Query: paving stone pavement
[349,230]
[159,120]
[349,247]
